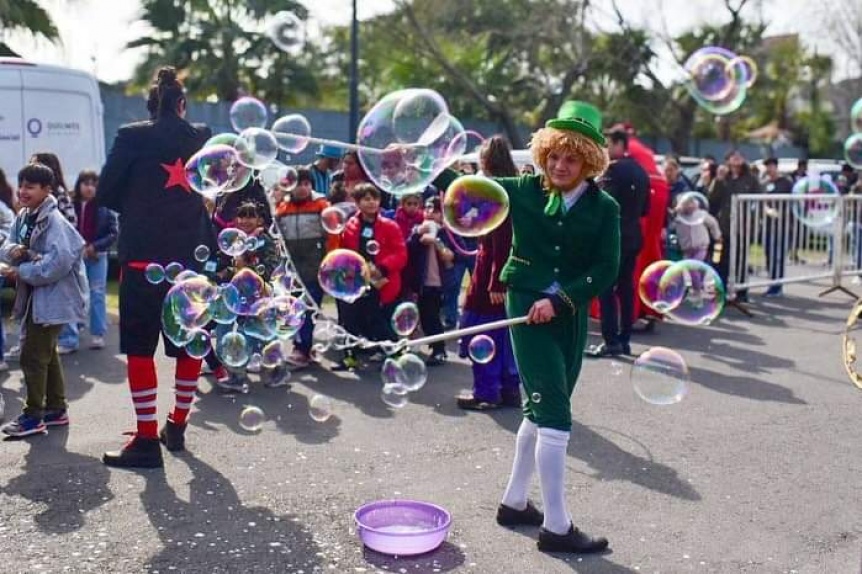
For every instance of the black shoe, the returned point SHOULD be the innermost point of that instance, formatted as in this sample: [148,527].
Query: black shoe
[604,350]
[137,453]
[471,403]
[627,349]
[173,436]
[436,360]
[530,516]
[574,541]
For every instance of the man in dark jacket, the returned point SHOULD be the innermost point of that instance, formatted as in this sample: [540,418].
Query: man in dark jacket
[628,183]
[162,220]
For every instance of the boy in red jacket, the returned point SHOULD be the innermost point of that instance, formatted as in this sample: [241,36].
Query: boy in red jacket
[369,315]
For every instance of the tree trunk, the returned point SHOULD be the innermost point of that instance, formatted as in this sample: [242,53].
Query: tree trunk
[680,136]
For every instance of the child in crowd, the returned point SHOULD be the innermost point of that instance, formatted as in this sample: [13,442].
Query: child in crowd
[7,218]
[433,259]
[369,315]
[408,216]
[694,227]
[44,252]
[307,243]
[263,260]
[98,226]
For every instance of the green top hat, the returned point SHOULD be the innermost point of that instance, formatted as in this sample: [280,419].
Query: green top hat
[581,117]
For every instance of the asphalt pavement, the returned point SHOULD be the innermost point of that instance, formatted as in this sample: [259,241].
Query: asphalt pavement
[758,469]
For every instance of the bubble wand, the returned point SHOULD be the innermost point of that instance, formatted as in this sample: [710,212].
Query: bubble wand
[475,329]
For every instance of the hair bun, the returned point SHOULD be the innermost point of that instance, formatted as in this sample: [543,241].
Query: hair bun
[166,76]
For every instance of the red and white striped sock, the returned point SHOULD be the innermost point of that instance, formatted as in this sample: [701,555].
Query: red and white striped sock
[187,373]
[144,384]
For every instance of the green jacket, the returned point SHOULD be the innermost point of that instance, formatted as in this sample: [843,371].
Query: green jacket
[579,249]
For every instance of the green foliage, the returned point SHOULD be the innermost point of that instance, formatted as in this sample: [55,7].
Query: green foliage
[222,50]
[28,16]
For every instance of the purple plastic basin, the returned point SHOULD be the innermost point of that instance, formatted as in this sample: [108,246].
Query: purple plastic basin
[402,527]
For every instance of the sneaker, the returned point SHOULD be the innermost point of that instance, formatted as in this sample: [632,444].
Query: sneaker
[377,357]
[56,418]
[773,292]
[604,350]
[4,366]
[276,377]
[471,403]
[346,364]
[253,367]
[63,350]
[298,359]
[97,343]
[436,360]
[25,425]
[139,452]
[530,516]
[234,384]
[221,375]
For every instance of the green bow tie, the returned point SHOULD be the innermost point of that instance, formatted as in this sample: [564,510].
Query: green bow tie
[554,204]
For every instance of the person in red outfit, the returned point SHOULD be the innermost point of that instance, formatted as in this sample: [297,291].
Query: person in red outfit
[369,315]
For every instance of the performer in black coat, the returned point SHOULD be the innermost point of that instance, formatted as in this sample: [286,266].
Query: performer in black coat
[628,183]
[162,220]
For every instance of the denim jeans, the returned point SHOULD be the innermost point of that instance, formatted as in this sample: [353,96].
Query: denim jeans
[305,336]
[97,276]
[452,292]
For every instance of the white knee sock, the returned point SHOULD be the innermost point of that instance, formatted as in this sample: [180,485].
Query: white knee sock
[551,460]
[523,466]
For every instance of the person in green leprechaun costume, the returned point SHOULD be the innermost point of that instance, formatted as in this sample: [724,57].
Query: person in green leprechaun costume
[565,252]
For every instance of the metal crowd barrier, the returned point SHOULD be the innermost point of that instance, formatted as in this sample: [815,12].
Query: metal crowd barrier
[777,239]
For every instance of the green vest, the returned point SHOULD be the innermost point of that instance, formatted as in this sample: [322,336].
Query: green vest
[579,249]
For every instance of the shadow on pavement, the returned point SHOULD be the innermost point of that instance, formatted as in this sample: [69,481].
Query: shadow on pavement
[68,484]
[445,559]
[214,532]
[745,387]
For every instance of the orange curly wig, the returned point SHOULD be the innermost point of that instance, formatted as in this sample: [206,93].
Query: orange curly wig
[547,139]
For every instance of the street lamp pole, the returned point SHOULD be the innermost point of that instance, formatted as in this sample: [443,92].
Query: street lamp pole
[354,75]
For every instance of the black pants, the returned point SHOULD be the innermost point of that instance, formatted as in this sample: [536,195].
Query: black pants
[366,318]
[723,267]
[775,247]
[617,303]
[430,303]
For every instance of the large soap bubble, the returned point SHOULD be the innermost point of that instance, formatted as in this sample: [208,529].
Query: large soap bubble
[660,376]
[247,112]
[343,275]
[292,132]
[474,205]
[216,169]
[819,208]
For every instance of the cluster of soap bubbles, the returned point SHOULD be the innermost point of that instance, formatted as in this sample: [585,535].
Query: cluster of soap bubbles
[401,375]
[853,144]
[718,79]
[819,208]
[850,347]
[689,292]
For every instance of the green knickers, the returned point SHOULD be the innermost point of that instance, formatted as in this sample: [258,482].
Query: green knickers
[549,360]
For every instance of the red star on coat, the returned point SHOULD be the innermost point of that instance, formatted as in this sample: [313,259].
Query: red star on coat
[176,175]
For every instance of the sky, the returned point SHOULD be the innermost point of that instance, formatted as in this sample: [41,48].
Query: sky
[94,32]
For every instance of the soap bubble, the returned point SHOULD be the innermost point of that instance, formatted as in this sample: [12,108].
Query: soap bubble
[372,247]
[292,132]
[272,354]
[202,253]
[232,242]
[172,271]
[232,349]
[474,205]
[216,169]
[718,79]
[320,408]
[660,376]
[405,319]
[251,419]
[414,371]
[342,275]
[256,148]
[189,302]
[333,220]
[853,150]
[850,347]
[247,112]
[481,349]
[416,116]
[650,289]
[819,208]
[703,295]
[221,308]
[250,288]
[856,116]
[285,30]
[199,346]
[393,399]
[154,273]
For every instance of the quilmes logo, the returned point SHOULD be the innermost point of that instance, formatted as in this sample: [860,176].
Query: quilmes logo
[35,127]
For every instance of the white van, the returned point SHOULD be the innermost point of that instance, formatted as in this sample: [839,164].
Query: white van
[47,108]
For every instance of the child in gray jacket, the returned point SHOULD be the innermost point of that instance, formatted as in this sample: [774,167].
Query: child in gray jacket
[43,254]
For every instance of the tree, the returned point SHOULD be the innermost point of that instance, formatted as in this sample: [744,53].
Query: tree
[842,24]
[27,16]
[221,49]
[509,61]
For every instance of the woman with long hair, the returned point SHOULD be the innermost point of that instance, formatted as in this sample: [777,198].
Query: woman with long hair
[59,188]
[98,226]
[495,383]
